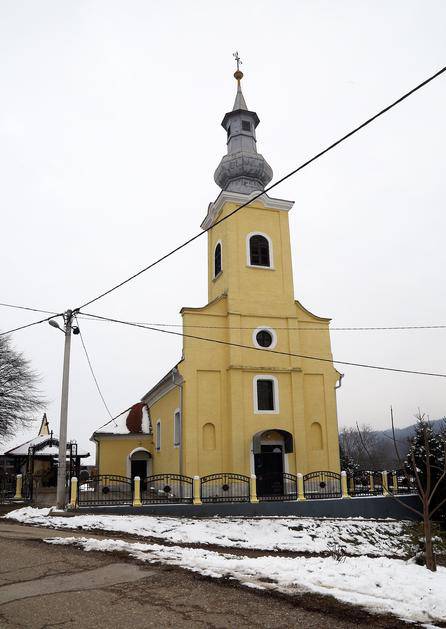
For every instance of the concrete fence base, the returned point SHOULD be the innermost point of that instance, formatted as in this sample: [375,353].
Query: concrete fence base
[362,507]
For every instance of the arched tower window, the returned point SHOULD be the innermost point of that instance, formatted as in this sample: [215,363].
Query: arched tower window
[259,253]
[217,259]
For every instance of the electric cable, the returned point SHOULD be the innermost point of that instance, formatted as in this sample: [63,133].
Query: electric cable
[28,325]
[28,308]
[304,329]
[272,351]
[92,371]
[267,189]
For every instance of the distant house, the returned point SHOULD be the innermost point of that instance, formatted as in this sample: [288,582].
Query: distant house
[39,456]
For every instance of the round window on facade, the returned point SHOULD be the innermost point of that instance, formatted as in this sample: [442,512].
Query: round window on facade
[264,338]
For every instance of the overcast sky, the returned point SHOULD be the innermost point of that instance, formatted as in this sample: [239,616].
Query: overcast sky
[109,137]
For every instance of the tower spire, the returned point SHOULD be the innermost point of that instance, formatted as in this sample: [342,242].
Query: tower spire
[242,169]
[239,102]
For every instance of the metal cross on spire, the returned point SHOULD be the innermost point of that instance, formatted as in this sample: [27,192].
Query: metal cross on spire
[237,58]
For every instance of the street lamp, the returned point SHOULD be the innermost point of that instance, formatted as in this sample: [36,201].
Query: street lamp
[62,467]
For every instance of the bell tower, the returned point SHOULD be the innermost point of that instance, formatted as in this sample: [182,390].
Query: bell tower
[249,256]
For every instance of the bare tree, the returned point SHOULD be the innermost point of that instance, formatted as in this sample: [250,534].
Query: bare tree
[426,462]
[19,395]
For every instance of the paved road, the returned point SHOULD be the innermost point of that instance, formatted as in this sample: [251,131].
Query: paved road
[46,587]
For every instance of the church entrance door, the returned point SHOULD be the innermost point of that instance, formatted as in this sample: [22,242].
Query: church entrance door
[268,464]
[139,468]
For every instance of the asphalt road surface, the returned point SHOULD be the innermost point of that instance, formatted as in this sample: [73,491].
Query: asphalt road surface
[45,587]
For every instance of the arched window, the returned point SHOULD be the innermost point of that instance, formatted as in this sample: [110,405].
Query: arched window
[158,435]
[217,259]
[259,251]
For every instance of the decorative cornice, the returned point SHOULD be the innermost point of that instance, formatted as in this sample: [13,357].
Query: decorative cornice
[226,196]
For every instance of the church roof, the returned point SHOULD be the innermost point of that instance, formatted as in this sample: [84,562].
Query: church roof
[135,420]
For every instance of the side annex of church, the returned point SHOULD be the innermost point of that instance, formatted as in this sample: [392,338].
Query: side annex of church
[250,400]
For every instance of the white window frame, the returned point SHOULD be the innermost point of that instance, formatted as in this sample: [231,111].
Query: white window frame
[158,435]
[248,252]
[267,329]
[177,437]
[265,376]
[215,276]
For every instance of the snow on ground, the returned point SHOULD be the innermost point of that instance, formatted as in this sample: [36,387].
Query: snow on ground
[380,584]
[385,538]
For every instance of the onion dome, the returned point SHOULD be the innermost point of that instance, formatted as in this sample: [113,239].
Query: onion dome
[242,169]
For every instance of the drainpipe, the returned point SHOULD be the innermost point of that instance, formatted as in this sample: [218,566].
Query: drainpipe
[180,395]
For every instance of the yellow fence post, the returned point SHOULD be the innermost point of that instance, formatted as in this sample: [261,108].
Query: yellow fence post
[18,487]
[300,487]
[73,493]
[394,483]
[371,483]
[137,492]
[253,489]
[197,490]
[385,483]
[344,485]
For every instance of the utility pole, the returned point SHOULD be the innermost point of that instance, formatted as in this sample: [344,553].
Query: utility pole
[61,471]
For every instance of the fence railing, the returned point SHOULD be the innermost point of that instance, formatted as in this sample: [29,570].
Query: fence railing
[7,487]
[110,489]
[323,484]
[225,487]
[375,483]
[272,487]
[167,488]
[105,489]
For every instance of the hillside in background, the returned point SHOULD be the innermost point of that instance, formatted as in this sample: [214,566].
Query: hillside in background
[375,449]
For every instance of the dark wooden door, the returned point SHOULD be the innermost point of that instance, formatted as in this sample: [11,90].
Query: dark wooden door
[139,468]
[269,470]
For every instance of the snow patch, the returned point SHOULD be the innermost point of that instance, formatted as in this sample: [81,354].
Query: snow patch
[354,537]
[380,584]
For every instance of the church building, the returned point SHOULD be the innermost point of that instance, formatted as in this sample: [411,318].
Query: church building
[246,396]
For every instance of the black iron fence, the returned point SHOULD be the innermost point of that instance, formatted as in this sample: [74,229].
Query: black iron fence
[7,487]
[167,488]
[376,483]
[105,490]
[277,487]
[322,485]
[225,487]
[109,489]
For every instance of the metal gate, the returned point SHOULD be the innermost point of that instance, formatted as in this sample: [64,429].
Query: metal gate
[167,488]
[225,487]
[286,488]
[106,489]
[322,485]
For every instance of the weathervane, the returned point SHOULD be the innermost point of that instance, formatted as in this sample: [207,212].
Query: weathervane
[237,58]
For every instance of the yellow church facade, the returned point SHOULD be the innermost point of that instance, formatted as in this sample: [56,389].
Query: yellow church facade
[248,395]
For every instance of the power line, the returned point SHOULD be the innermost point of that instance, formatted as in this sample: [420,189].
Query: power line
[304,329]
[272,351]
[28,325]
[28,308]
[92,372]
[256,196]
[113,419]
